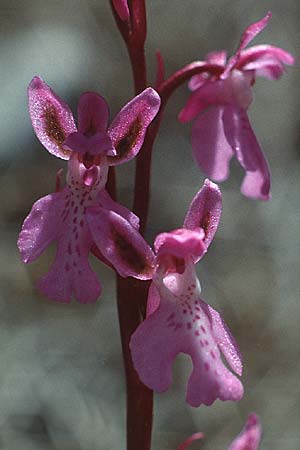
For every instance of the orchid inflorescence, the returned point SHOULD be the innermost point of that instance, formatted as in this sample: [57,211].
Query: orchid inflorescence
[84,217]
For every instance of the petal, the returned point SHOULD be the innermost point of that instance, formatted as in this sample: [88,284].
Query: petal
[210,94]
[239,134]
[41,226]
[63,280]
[121,244]
[211,149]
[93,113]
[153,300]
[51,118]
[249,34]
[253,30]
[108,203]
[261,56]
[71,274]
[196,82]
[217,57]
[267,67]
[226,342]
[122,9]
[182,324]
[99,143]
[250,436]
[180,243]
[205,211]
[128,129]
[190,440]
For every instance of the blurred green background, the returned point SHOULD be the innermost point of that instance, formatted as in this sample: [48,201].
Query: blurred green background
[61,373]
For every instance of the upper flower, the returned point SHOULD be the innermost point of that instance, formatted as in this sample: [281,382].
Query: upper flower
[82,217]
[248,439]
[178,320]
[222,96]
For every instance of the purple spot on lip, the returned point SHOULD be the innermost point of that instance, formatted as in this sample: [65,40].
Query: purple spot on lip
[171,316]
[206,366]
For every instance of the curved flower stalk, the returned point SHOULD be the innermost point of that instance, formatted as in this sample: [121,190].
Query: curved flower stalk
[219,103]
[178,320]
[83,215]
[248,439]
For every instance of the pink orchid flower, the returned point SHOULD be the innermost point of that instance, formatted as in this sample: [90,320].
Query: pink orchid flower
[219,103]
[248,439]
[178,320]
[121,6]
[83,216]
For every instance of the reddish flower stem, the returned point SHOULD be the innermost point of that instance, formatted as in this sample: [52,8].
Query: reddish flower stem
[132,294]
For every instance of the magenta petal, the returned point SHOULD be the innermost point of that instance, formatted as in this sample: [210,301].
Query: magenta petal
[65,279]
[153,300]
[266,67]
[76,141]
[182,324]
[121,244]
[71,274]
[260,57]
[122,9]
[108,203]
[250,436]
[41,226]
[249,34]
[169,331]
[211,149]
[51,118]
[239,133]
[253,30]
[210,94]
[181,243]
[217,57]
[93,114]
[205,211]
[226,342]
[54,218]
[128,129]
[99,143]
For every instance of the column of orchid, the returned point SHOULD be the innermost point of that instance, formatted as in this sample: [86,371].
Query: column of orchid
[161,311]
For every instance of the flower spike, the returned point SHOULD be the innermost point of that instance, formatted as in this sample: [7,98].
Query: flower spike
[82,217]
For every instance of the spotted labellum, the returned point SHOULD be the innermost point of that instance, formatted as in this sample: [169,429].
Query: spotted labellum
[82,216]
[179,321]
